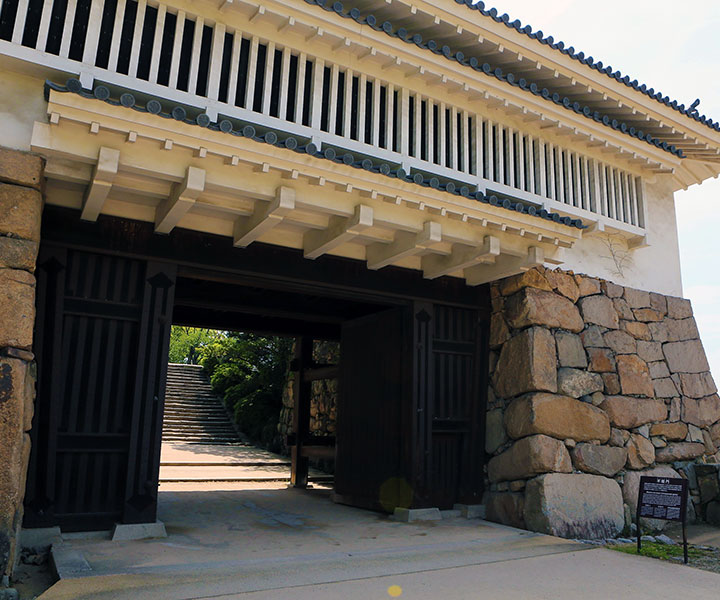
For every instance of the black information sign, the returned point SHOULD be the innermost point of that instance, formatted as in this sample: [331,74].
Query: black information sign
[662,498]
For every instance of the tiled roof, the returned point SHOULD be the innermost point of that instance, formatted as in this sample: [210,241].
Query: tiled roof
[162,108]
[691,111]
[473,62]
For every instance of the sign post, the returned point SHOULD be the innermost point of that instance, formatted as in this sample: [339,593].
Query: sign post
[663,498]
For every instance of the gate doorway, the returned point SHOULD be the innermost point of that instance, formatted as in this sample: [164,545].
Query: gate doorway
[411,405]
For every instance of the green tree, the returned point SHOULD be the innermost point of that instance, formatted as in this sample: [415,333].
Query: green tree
[186,343]
[250,371]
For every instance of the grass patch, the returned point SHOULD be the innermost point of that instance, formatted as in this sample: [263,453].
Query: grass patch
[662,551]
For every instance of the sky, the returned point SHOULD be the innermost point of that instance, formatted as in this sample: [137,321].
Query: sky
[675,48]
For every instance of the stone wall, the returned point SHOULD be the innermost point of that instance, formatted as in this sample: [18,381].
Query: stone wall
[21,177]
[323,403]
[592,386]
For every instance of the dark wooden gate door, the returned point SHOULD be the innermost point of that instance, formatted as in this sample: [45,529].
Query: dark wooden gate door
[451,384]
[373,446]
[103,326]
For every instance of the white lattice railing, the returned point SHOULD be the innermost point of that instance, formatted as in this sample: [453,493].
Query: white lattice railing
[155,49]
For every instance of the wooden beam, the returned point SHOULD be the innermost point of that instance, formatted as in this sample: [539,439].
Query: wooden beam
[101,183]
[182,197]
[405,244]
[340,230]
[249,229]
[504,266]
[461,257]
[302,397]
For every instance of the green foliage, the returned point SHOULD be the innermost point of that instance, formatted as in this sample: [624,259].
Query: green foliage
[662,551]
[249,371]
[186,343]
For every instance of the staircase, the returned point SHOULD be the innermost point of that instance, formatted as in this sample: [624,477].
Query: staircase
[193,413]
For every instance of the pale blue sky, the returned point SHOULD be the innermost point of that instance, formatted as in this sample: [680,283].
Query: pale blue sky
[675,48]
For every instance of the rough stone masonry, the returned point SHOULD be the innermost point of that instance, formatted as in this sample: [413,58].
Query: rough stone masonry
[21,176]
[592,386]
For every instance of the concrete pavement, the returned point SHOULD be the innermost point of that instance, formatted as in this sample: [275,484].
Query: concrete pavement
[274,543]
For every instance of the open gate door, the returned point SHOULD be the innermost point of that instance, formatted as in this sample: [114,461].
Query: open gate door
[103,329]
[373,452]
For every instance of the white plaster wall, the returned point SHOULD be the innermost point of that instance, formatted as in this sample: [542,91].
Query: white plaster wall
[655,268]
[22,102]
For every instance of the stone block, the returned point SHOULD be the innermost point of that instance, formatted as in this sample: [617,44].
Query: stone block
[587,286]
[124,532]
[675,410]
[21,168]
[679,451]
[634,375]
[618,437]
[506,508]
[499,332]
[686,357]
[531,306]
[640,331]
[530,278]
[561,417]
[20,212]
[648,315]
[664,388]
[495,435]
[703,412]
[570,350]
[612,383]
[640,452]
[658,369]
[527,364]
[695,434]
[623,309]
[564,284]
[612,290]
[628,413]
[620,342]
[637,298]
[678,308]
[658,331]
[16,253]
[697,385]
[592,337]
[17,308]
[68,563]
[674,432]
[578,382]
[574,506]
[599,310]
[471,511]
[715,434]
[681,330]
[658,302]
[528,457]
[712,513]
[602,360]
[410,515]
[599,460]
[14,449]
[650,351]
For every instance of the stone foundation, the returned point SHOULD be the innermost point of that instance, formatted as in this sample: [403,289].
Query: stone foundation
[592,385]
[21,175]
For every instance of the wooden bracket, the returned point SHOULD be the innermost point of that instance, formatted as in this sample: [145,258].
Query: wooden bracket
[249,229]
[405,244]
[182,197]
[101,183]
[461,257]
[340,230]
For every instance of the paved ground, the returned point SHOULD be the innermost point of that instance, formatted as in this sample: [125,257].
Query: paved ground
[269,542]
[224,463]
